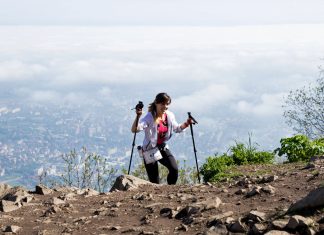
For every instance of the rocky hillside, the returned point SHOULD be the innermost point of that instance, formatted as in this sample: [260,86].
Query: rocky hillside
[276,199]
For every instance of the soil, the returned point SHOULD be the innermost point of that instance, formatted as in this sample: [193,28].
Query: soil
[138,211]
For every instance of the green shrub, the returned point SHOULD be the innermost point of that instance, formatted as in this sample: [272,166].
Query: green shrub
[214,166]
[239,154]
[250,155]
[300,148]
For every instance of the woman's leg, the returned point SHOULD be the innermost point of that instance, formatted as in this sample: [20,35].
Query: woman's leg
[153,172]
[169,162]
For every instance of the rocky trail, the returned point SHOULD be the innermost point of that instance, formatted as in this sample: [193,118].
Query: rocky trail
[269,199]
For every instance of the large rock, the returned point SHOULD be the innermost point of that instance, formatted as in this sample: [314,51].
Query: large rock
[4,189]
[313,200]
[17,194]
[7,206]
[43,190]
[211,203]
[127,182]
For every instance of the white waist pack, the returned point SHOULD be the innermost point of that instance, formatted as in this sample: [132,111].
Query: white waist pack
[152,155]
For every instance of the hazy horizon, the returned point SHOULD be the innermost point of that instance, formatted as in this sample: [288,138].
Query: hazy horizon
[80,66]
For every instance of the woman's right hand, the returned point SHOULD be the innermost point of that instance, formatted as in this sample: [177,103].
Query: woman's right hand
[139,111]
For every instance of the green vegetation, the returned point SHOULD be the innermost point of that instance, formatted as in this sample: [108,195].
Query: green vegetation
[300,148]
[82,170]
[217,168]
[89,170]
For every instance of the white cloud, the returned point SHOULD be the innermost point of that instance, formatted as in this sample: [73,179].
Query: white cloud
[192,57]
[4,110]
[19,71]
[44,96]
[269,105]
[210,97]
[16,110]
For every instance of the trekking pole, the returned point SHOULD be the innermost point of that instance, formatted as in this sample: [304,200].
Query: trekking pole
[138,106]
[193,142]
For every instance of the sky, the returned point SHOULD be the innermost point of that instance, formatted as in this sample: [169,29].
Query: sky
[222,60]
[167,12]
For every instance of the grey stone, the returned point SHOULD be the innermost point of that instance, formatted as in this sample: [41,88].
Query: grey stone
[269,189]
[42,190]
[258,228]
[257,216]
[7,206]
[279,224]
[57,201]
[237,227]
[90,192]
[243,182]
[240,192]
[254,191]
[187,212]
[313,200]
[219,219]
[268,179]
[167,212]
[211,203]
[12,229]
[4,189]
[277,232]
[182,227]
[127,182]
[298,221]
[219,229]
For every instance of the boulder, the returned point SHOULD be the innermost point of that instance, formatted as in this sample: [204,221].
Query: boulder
[127,182]
[313,200]
[4,189]
[42,190]
[211,203]
[7,206]
[17,194]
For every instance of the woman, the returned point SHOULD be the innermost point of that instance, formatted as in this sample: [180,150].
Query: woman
[158,124]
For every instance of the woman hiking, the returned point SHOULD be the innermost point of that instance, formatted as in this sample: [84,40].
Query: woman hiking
[158,124]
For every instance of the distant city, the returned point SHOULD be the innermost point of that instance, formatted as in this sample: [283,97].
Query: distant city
[34,137]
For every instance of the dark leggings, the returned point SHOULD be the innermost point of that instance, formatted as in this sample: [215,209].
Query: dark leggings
[169,162]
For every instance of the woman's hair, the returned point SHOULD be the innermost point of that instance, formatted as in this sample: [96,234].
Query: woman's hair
[159,98]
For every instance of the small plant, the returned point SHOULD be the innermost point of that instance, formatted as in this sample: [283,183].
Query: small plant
[249,154]
[215,168]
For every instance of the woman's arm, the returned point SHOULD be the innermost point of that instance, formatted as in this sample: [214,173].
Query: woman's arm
[185,124]
[135,123]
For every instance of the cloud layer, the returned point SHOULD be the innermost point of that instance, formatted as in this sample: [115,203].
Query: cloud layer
[228,73]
